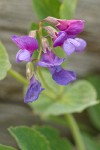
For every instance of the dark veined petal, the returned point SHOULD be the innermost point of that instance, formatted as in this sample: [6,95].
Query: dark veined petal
[74,45]
[60,39]
[33,90]
[61,76]
[25,42]
[49,59]
[81,46]
[23,55]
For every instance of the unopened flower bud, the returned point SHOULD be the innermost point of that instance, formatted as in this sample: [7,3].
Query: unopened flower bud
[51,20]
[45,44]
[32,33]
[51,31]
[29,70]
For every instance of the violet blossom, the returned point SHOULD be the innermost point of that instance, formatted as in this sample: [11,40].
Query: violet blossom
[69,43]
[62,76]
[53,62]
[33,90]
[27,46]
[49,59]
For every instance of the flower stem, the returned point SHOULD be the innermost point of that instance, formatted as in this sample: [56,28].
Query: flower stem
[39,56]
[75,131]
[40,37]
[18,77]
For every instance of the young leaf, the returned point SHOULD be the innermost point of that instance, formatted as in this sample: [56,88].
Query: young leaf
[4,62]
[67,9]
[53,137]
[46,8]
[29,139]
[4,147]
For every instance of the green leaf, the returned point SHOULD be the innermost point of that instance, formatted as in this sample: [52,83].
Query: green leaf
[4,62]
[46,8]
[53,137]
[59,52]
[95,81]
[49,80]
[34,26]
[67,9]
[75,98]
[91,143]
[94,112]
[4,147]
[29,139]
[41,104]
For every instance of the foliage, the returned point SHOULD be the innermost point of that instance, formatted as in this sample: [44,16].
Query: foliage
[67,9]
[52,135]
[39,138]
[74,98]
[91,142]
[94,112]
[4,62]
[60,9]
[4,147]
[43,8]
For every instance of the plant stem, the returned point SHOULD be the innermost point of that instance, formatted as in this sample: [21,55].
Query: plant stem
[18,77]
[39,56]
[75,131]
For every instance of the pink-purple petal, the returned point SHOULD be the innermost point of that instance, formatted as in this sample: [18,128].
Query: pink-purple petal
[62,25]
[23,55]
[25,42]
[75,27]
[72,27]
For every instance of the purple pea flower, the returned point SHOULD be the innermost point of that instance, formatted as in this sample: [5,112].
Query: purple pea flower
[49,59]
[33,90]
[53,62]
[62,76]
[72,27]
[70,43]
[27,46]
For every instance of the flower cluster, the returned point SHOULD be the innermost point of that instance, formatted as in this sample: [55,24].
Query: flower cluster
[63,34]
